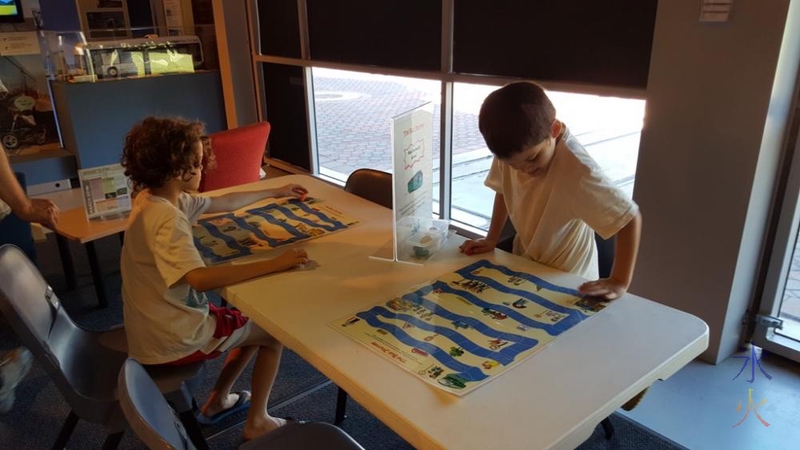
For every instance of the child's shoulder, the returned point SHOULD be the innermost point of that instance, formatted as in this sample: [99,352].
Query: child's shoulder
[576,161]
[153,209]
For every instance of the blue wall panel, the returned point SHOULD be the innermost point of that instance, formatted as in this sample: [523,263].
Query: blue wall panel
[95,117]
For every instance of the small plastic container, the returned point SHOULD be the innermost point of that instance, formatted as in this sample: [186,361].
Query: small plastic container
[426,235]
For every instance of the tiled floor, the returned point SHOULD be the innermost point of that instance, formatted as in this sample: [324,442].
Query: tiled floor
[697,407]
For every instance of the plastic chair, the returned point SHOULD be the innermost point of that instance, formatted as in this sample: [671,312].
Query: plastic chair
[82,364]
[371,184]
[239,155]
[154,422]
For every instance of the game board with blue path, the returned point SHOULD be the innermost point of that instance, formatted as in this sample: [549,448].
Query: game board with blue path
[467,327]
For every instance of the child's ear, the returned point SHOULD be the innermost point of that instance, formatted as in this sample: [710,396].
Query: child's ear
[555,128]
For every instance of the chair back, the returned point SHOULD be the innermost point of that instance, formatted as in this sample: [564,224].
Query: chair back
[80,367]
[605,254]
[373,185]
[239,155]
[148,413]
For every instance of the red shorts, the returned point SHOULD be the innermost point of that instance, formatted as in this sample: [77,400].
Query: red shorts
[228,321]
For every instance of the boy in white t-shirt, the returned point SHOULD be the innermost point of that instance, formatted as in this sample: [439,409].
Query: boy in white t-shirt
[554,193]
[168,319]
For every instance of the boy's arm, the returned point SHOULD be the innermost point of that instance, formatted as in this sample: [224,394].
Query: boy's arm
[625,252]
[236,200]
[208,278]
[499,217]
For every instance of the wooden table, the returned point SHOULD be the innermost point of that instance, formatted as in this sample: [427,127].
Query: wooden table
[555,399]
[73,225]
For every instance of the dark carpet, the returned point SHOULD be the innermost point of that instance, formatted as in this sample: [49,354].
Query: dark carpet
[39,411]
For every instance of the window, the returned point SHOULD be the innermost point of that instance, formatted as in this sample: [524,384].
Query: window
[608,127]
[353,118]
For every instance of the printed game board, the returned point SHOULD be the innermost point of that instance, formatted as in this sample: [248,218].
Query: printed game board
[234,235]
[467,327]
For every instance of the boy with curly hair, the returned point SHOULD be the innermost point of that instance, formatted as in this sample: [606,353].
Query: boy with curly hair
[168,319]
[554,193]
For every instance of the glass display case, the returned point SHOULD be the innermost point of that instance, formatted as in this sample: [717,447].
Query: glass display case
[70,57]
[63,55]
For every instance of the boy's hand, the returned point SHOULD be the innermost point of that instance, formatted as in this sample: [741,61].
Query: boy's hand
[605,288]
[290,259]
[292,190]
[475,246]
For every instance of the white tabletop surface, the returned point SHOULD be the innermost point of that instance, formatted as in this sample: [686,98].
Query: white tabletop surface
[555,399]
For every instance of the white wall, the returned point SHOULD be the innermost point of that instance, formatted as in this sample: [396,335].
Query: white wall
[710,146]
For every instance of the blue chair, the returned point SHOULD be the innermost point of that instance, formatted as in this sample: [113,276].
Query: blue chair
[155,423]
[83,364]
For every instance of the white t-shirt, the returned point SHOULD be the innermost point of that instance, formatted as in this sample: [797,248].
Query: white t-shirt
[5,210]
[556,215]
[165,319]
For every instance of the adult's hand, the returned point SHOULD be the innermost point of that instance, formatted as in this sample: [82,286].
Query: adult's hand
[40,211]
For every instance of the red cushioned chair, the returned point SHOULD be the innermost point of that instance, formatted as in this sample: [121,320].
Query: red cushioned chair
[239,153]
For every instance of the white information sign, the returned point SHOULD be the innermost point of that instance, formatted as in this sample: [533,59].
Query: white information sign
[416,234]
[105,191]
[14,43]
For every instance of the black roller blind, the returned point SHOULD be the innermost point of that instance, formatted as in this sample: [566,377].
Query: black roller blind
[279,28]
[284,92]
[387,33]
[604,42]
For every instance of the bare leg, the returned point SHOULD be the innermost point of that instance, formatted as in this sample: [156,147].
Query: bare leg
[264,372]
[221,397]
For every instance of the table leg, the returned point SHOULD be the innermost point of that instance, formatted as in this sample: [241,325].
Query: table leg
[66,261]
[97,275]
[341,407]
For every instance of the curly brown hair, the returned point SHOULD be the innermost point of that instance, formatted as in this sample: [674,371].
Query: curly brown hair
[158,148]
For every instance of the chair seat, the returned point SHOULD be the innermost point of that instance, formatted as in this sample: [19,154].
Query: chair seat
[305,436]
[176,382]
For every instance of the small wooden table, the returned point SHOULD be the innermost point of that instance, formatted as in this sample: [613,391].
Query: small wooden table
[73,225]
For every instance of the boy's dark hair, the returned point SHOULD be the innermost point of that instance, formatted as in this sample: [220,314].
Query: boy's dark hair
[515,117]
[157,149]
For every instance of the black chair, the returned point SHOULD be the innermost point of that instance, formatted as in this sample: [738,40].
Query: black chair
[154,422]
[375,186]
[83,364]
[371,184]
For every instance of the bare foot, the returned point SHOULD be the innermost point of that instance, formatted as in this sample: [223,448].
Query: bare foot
[218,404]
[262,426]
